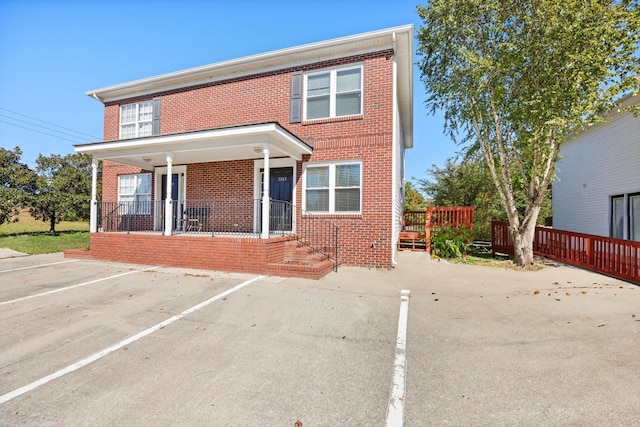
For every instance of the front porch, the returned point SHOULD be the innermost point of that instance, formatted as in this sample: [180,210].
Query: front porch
[216,234]
[221,199]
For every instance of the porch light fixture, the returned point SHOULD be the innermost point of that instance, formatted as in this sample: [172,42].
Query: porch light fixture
[146,159]
[257,150]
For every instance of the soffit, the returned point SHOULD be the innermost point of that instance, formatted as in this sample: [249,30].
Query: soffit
[214,145]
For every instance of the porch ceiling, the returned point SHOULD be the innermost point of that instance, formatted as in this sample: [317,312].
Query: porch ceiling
[213,145]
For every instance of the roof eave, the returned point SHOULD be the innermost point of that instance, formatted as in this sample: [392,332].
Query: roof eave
[253,64]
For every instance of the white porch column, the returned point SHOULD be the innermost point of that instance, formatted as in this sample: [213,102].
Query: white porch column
[266,194]
[168,201]
[93,212]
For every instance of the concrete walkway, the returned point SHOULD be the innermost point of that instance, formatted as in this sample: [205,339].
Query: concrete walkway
[10,253]
[489,346]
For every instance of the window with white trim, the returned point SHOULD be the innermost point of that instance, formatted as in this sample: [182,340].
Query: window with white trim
[625,216]
[134,194]
[333,93]
[333,188]
[617,217]
[136,120]
[634,217]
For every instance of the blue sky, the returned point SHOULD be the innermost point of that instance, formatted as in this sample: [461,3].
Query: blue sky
[53,51]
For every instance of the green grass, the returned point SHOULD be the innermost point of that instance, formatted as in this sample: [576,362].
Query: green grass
[32,237]
[499,261]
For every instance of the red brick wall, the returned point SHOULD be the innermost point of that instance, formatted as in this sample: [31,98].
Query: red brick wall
[223,254]
[365,238]
[220,180]
[265,98]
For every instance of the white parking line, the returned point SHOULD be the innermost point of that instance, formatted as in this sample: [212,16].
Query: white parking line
[395,412]
[73,286]
[84,362]
[39,265]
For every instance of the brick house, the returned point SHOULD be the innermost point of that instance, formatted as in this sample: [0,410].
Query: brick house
[285,163]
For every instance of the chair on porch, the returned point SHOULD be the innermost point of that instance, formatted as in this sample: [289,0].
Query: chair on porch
[191,220]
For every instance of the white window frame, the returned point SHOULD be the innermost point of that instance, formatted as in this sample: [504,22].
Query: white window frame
[138,208]
[333,72]
[617,222]
[332,187]
[137,122]
[634,218]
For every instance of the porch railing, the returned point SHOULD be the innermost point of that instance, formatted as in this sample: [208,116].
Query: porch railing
[233,217]
[316,233]
[130,216]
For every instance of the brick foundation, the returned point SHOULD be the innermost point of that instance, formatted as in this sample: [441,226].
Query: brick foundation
[242,255]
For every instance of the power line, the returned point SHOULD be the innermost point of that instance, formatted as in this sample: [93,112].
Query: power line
[40,126]
[49,123]
[34,130]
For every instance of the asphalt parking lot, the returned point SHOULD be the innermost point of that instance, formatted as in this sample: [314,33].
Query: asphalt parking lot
[92,343]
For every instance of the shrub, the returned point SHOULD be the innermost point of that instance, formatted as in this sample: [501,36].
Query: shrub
[451,242]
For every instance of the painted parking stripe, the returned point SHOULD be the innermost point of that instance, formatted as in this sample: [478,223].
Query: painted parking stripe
[39,265]
[395,412]
[73,286]
[99,355]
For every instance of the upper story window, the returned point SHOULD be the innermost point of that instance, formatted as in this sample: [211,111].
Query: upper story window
[140,119]
[333,93]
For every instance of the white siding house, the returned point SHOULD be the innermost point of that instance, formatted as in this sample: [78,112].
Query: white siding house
[597,190]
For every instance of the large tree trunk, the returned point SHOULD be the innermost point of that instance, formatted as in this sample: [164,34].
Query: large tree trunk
[523,245]
[523,238]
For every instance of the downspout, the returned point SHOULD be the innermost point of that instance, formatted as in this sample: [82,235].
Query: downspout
[93,95]
[394,161]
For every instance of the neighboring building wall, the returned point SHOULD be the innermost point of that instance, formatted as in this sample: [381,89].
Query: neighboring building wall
[365,239]
[603,162]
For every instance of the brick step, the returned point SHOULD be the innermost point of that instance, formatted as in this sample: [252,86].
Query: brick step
[297,253]
[312,271]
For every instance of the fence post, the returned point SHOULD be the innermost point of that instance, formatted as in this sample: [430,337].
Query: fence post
[427,230]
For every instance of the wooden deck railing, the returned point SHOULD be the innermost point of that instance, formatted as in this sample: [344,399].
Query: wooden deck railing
[614,257]
[438,216]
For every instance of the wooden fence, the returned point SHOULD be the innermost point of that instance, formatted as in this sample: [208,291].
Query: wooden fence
[614,257]
[416,225]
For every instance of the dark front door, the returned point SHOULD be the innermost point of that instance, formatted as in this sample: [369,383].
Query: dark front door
[281,192]
[174,195]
